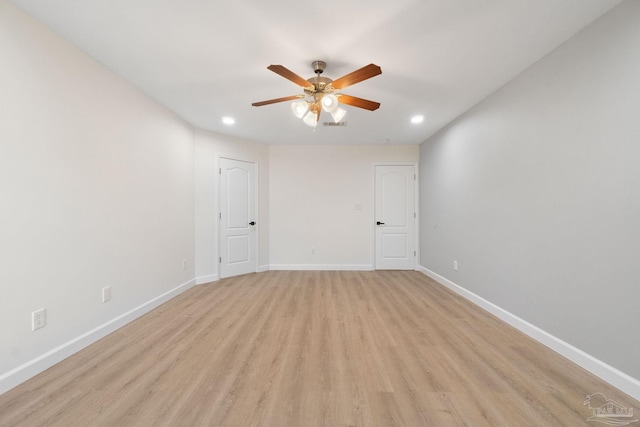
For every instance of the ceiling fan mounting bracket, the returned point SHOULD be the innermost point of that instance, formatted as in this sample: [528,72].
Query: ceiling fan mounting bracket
[318,66]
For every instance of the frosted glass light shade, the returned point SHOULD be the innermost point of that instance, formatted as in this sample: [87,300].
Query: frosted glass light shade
[311,119]
[329,103]
[300,108]
[338,114]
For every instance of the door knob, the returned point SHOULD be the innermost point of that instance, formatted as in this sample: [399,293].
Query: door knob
[379,223]
[252,223]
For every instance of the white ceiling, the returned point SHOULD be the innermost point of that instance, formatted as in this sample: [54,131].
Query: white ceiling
[207,59]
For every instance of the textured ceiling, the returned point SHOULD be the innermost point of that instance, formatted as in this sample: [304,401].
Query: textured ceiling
[207,59]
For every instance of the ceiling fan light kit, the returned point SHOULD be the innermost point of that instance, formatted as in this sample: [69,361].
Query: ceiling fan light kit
[338,114]
[329,103]
[300,108]
[310,119]
[321,93]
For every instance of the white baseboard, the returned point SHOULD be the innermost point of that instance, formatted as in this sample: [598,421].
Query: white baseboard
[322,267]
[201,280]
[207,279]
[608,373]
[33,367]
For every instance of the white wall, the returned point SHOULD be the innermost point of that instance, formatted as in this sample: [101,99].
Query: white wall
[313,198]
[96,189]
[536,193]
[209,148]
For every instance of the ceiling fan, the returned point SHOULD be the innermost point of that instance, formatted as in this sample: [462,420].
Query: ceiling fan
[321,93]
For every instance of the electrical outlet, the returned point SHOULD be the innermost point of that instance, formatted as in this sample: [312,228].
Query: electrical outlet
[455,265]
[184,264]
[38,319]
[106,294]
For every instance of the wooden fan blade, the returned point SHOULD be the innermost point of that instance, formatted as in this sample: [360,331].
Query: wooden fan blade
[289,75]
[357,76]
[358,102]
[273,101]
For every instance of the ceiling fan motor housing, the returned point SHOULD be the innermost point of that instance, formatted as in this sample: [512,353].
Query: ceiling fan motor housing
[319,83]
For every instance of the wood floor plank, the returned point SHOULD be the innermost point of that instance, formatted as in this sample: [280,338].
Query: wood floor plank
[320,348]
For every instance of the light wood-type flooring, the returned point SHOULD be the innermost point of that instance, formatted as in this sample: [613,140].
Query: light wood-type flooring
[312,349]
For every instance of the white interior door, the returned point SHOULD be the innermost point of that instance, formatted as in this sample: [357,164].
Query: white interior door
[395,217]
[237,218]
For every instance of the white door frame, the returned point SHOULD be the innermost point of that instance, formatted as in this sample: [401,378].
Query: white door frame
[256,208]
[417,210]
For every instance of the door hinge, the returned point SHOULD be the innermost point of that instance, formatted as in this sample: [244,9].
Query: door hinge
[414,214]
[414,253]
[220,215]
[220,260]
[414,176]
[219,171]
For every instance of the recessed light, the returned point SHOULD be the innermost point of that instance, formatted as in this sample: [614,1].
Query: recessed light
[417,119]
[228,120]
